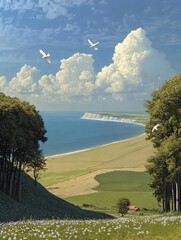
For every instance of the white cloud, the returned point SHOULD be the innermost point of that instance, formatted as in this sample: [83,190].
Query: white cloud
[75,77]
[135,71]
[25,81]
[51,9]
[3,83]
[135,67]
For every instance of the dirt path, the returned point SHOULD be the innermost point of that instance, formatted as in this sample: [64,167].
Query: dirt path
[84,184]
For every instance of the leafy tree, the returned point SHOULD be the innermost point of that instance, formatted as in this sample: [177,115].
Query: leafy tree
[122,206]
[21,130]
[165,167]
[37,163]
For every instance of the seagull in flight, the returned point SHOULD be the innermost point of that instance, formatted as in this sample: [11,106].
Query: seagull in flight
[45,56]
[155,128]
[93,45]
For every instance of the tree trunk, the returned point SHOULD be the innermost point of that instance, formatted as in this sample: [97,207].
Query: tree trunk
[11,184]
[18,186]
[179,192]
[173,197]
[166,198]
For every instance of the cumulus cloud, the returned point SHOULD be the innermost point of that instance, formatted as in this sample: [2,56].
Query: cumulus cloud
[3,83]
[136,70]
[75,77]
[136,67]
[25,82]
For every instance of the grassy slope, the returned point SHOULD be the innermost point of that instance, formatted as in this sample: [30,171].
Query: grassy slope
[38,203]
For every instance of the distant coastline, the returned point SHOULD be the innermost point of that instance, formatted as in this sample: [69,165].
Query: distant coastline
[106,117]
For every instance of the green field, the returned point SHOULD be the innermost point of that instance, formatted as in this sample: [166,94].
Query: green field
[123,181]
[115,185]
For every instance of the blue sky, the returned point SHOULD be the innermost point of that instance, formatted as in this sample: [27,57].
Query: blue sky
[139,49]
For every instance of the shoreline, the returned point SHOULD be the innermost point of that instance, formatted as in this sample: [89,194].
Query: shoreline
[92,148]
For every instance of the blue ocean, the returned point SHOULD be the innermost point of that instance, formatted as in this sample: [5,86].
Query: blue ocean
[66,132]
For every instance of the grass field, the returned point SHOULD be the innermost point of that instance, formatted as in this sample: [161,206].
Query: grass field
[123,181]
[115,185]
[157,228]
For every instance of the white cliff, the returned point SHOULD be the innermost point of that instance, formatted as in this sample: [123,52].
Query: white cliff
[104,117]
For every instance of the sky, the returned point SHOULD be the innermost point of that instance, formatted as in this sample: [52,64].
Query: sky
[139,49]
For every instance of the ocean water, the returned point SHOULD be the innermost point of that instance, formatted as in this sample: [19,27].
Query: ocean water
[66,132]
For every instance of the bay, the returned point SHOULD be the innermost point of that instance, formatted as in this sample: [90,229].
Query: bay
[66,132]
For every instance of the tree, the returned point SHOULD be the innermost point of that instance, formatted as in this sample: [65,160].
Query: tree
[37,164]
[158,168]
[122,206]
[21,130]
[165,167]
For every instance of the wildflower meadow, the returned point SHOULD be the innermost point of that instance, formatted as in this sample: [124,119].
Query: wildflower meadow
[166,227]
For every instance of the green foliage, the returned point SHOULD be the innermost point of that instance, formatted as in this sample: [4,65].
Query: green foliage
[122,206]
[21,130]
[165,167]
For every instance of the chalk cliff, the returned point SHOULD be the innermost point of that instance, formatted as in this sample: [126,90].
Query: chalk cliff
[104,117]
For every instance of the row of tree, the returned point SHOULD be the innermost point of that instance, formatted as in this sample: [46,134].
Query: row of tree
[165,166]
[21,130]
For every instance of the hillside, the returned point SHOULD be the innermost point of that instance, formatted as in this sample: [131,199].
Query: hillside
[38,203]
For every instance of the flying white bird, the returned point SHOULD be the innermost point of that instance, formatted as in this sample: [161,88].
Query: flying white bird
[45,56]
[93,45]
[155,128]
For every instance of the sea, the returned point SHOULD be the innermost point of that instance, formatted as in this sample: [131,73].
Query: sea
[68,133]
